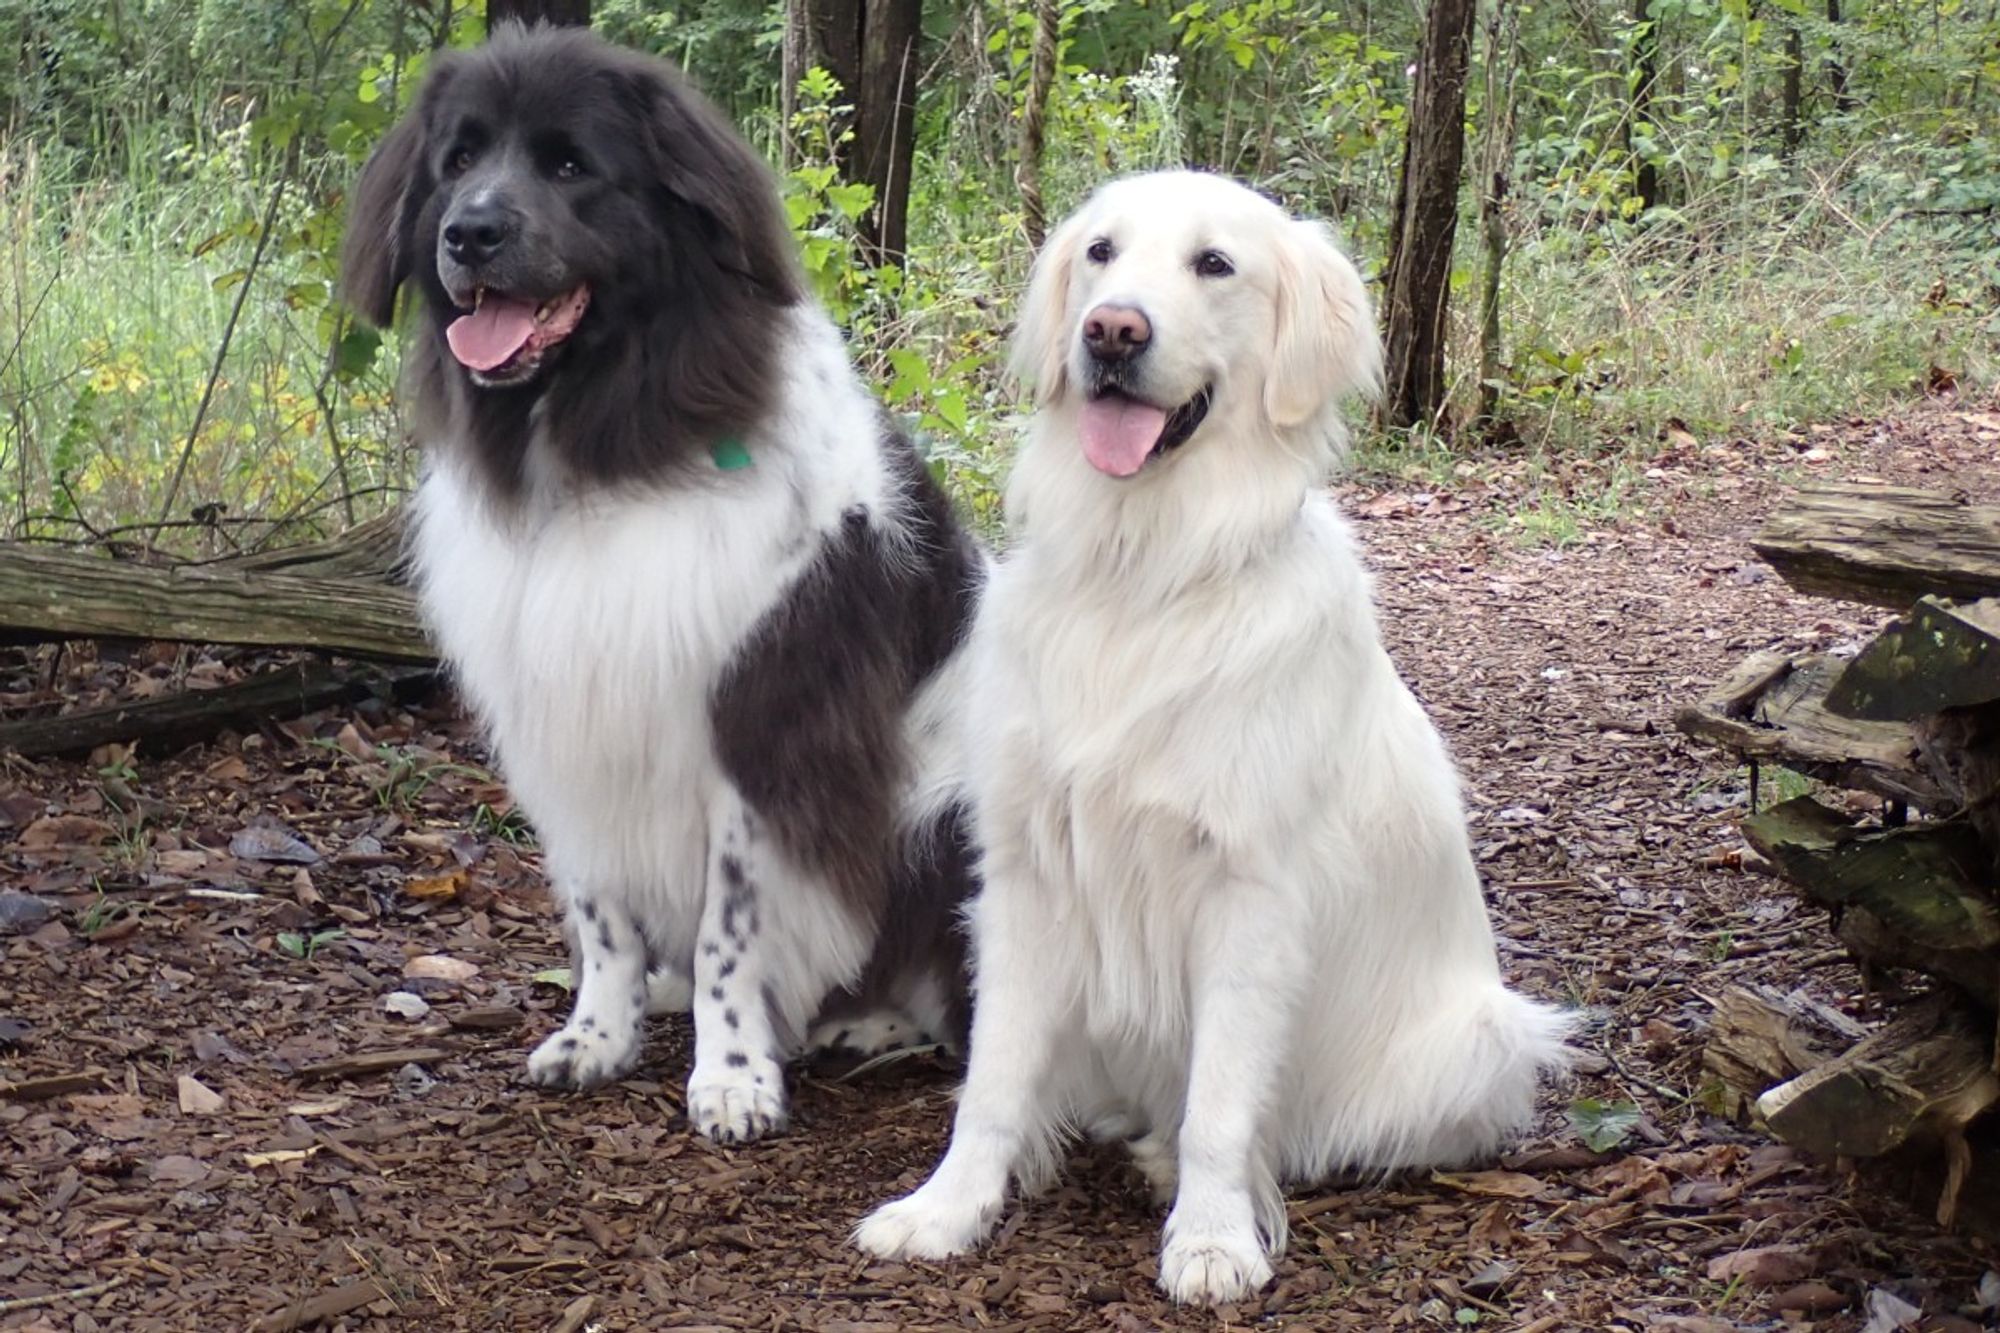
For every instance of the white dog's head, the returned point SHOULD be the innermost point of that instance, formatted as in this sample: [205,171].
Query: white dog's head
[1179,301]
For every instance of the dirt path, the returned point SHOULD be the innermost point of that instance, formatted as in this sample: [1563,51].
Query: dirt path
[467,1201]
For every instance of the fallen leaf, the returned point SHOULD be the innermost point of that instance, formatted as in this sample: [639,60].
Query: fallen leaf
[52,831]
[197,1098]
[278,1156]
[324,1106]
[178,1169]
[350,741]
[1764,1266]
[180,864]
[230,768]
[1493,1184]
[1890,1313]
[559,977]
[271,841]
[443,886]
[440,967]
[1811,1298]
[1602,1125]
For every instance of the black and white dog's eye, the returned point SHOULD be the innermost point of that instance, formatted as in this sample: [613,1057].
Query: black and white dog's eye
[568,169]
[1213,264]
[459,162]
[1099,251]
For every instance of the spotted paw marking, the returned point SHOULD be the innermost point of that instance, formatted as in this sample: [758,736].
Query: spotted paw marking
[738,1103]
[1213,1269]
[579,1057]
[924,1225]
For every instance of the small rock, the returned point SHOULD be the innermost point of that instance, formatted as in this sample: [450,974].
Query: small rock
[405,1005]
[413,1080]
[14,1032]
[22,912]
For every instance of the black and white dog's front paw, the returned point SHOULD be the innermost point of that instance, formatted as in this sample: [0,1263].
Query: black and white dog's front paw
[583,1056]
[738,1102]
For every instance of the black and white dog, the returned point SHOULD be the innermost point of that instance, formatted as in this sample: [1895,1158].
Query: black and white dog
[703,597]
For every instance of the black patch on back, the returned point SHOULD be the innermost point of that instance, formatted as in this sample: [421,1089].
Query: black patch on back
[809,717]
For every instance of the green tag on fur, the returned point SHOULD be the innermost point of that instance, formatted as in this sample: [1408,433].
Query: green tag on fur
[729,454]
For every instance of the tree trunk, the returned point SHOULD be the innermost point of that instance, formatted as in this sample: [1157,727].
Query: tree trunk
[1645,75]
[567,12]
[1034,113]
[1426,220]
[870,47]
[1793,90]
[1502,61]
[1836,67]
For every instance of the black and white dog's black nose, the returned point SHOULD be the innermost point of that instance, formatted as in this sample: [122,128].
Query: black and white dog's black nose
[477,231]
[1116,332]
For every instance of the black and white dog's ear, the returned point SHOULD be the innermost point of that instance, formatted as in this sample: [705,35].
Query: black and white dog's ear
[702,163]
[1047,325]
[375,258]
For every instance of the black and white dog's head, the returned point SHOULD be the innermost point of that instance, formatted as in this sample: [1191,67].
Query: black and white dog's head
[586,235]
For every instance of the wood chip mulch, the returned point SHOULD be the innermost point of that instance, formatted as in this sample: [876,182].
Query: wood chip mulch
[209,1119]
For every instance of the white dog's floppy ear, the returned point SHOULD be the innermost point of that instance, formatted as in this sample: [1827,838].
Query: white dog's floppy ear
[1041,338]
[1326,344]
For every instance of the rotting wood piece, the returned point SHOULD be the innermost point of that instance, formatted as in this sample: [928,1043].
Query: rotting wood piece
[1758,1039]
[1927,1075]
[1770,710]
[1885,545]
[69,595]
[374,550]
[168,723]
[1939,655]
[1917,896]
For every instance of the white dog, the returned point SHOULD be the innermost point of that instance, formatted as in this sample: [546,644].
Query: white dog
[1229,906]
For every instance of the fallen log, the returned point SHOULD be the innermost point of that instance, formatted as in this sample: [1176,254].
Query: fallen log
[1771,710]
[1912,1100]
[1939,655]
[1916,896]
[1926,1076]
[162,725]
[63,594]
[370,550]
[1884,545]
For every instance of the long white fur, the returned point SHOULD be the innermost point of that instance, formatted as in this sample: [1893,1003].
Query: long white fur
[588,631]
[1229,903]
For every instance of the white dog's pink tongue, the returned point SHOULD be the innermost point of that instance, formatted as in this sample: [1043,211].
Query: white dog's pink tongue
[1119,433]
[491,334]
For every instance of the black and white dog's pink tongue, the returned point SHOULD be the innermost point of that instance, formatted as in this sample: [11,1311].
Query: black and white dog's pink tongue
[1119,433]
[493,333]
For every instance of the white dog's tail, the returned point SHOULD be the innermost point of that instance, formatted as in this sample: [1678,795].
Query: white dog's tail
[1441,1088]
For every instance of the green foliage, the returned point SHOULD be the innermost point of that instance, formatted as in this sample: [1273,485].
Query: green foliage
[173,178]
[1603,1125]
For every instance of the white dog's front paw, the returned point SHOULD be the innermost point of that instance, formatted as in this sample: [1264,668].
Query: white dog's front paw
[1214,1268]
[926,1225]
[583,1057]
[738,1103]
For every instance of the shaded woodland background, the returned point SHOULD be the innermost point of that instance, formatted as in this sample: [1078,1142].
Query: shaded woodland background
[1597,225]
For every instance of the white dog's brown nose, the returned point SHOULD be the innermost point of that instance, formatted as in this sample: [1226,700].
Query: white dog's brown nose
[1116,332]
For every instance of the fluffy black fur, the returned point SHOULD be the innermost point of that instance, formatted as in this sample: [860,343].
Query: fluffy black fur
[670,218]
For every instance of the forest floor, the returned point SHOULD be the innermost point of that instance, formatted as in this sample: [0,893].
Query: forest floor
[203,944]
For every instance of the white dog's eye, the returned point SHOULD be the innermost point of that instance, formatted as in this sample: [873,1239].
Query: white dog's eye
[568,169]
[1099,251]
[1213,264]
